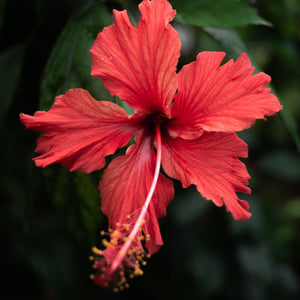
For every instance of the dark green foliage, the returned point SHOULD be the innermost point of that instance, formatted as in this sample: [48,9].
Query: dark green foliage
[217,13]
[69,65]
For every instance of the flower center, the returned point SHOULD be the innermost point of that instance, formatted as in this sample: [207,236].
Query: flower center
[124,252]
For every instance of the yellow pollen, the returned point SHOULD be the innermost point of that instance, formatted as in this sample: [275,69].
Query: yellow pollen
[97,251]
[126,227]
[121,253]
[138,272]
[107,244]
[116,233]
[128,217]
[114,242]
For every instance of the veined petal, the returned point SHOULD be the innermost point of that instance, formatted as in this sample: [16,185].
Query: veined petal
[225,98]
[139,64]
[80,131]
[125,185]
[211,163]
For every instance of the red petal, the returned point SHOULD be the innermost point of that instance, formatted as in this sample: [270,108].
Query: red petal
[125,185]
[139,64]
[210,162]
[214,98]
[79,131]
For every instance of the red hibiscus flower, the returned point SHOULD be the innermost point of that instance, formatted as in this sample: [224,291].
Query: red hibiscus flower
[183,122]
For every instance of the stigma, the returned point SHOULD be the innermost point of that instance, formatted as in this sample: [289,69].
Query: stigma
[124,253]
[114,266]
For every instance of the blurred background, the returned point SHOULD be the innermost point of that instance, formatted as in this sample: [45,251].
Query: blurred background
[51,218]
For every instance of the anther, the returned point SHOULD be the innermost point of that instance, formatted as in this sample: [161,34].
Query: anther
[114,242]
[106,243]
[116,233]
[126,227]
[97,251]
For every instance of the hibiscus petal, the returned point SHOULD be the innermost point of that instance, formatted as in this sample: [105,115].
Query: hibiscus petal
[125,185]
[80,131]
[223,98]
[139,64]
[211,163]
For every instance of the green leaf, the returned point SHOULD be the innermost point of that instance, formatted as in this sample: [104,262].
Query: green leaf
[228,39]
[11,63]
[292,209]
[216,13]
[124,105]
[77,203]
[69,65]
[291,127]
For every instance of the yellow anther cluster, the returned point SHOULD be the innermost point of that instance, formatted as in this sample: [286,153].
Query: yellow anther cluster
[132,260]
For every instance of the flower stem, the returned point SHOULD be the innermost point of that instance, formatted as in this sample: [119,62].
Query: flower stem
[141,217]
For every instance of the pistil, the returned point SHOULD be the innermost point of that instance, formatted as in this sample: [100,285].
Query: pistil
[124,253]
[141,217]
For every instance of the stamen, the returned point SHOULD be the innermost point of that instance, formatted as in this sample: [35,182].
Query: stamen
[141,217]
[125,253]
